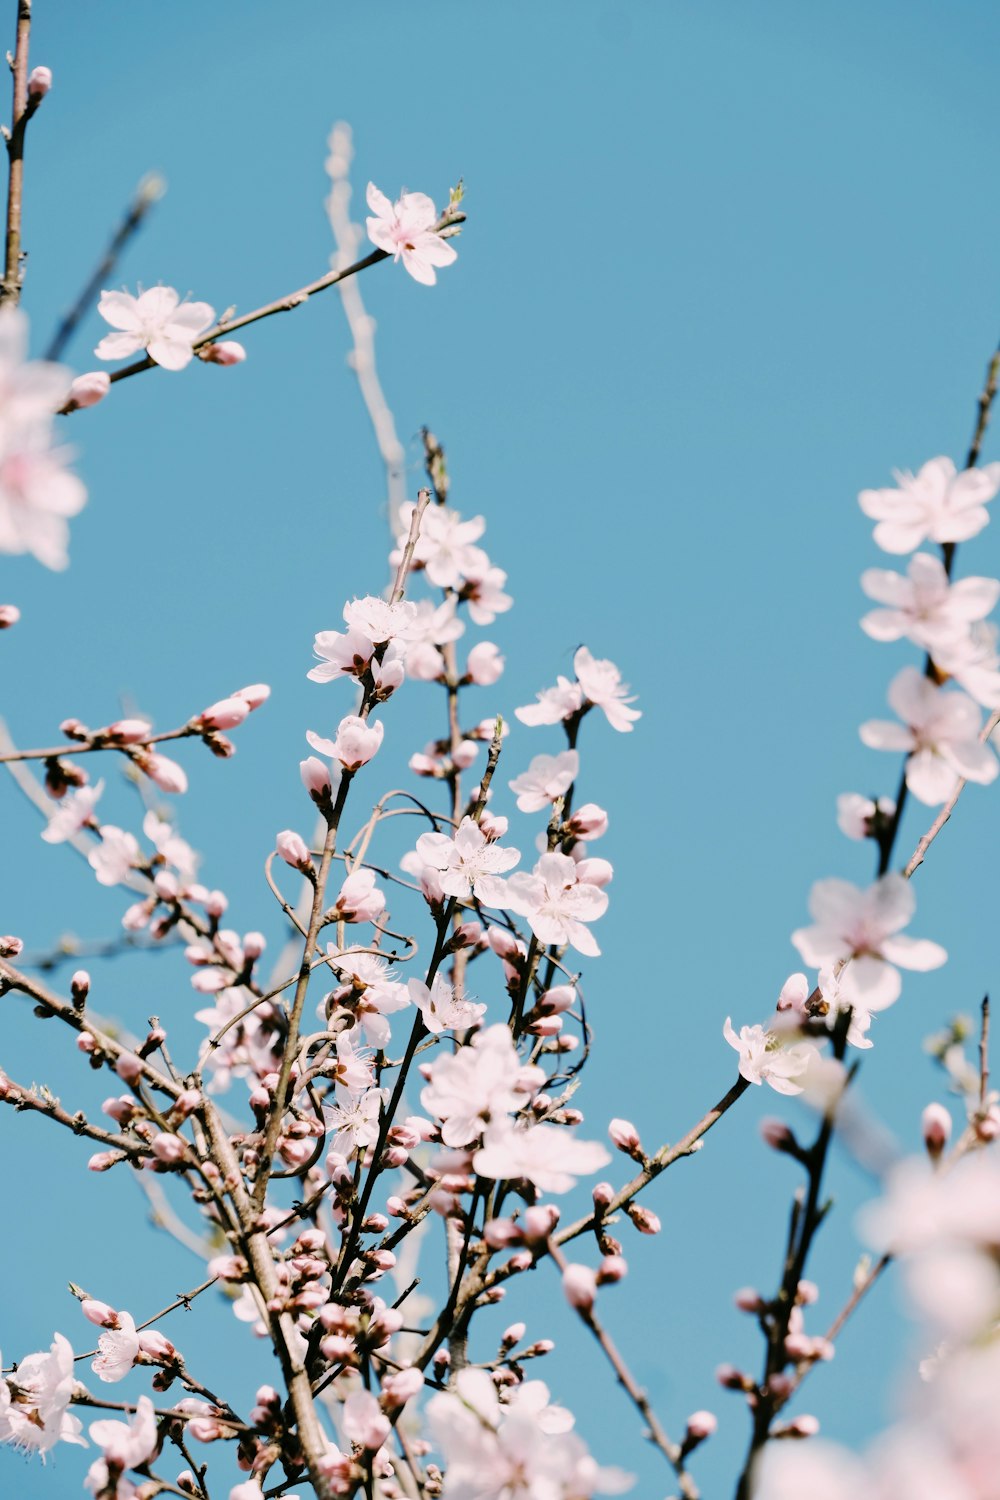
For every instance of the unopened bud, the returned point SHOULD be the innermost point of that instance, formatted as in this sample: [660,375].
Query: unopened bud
[9,615]
[777,1135]
[39,83]
[700,1425]
[315,778]
[988,1125]
[164,772]
[228,352]
[612,1268]
[625,1136]
[10,946]
[293,850]
[87,390]
[936,1125]
[643,1218]
[579,1286]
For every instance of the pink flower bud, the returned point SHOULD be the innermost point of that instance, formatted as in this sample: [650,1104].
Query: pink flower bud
[513,1335]
[395,1156]
[315,778]
[807,1293]
[254,944]
[579,1286]
[643,1218]
[99,1313]
[9,615]
[228,713]
[464,754]
[401,1387]
[216,903]
[167,885]
[122,1110]
[364,1421]
[589,822]
[128,1067]
[185,1104]
[501,1233]
[39,82]
[88,389]
[256,694]
[748,1300]
[126,731]
[802,1427]
[732,1379]
[168,1148]
[557,1000]
[603,1195]
[540,1221]
[597,872]
[79,988]
[625,1136]
[227,352]
[157,1348]
[293,850]
[102,1160]
[777,1135]
[485,664]
[781,1385]
[166,773]
[936,1125]
[85,1042]
[988,1125]
[10,946]
[612,1268]
[700,1425]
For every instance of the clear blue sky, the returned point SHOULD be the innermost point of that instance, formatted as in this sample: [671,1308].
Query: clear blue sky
[724,267]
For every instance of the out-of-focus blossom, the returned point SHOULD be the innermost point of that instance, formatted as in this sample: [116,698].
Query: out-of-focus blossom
[923,605]
[939,730]
[936,504]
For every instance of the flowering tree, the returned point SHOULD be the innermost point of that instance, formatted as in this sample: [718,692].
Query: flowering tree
[373,1144]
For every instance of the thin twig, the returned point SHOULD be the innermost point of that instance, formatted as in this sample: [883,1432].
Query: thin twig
[23,109]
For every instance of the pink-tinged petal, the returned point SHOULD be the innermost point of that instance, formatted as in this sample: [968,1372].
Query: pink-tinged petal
[888,587]
[435,849]
[974,487]
[898,536]
[960,526]
[418,268]
[170,354]
[912,695]
[930,778]
[973,598]
[325,747]
[889,904]
[491,890]
[583,940]
[192,317]
[417,212]
[436,251]
[327,671]
[973,760]
[156,305]
[382,236]
[936,474]
[882,734]
[378,202]
[835,903]
[118,345]
[914,953]
[781,1085]
[890,505]
[885,624]
[818,945]
[120,309]
[876,983]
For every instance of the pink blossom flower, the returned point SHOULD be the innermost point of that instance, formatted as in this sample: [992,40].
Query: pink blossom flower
[74,812]
[469,864]
[557,904]
[369,991]
[484,1080]
[166,773]
[485,664]
[766,1058]
[940,730]
[547,777]
[34,1401]
[484,593]
[357,741]
[156,321]
[114,857]
[364,1421]
[443,1009]
[546,1155]
[39,82]
[127,1444]
[224,352]
[379,620]
[925,607]
[359,898]
[554,704]
[579,1286]
[37,494]
[856,814]
[406,229]
[445,546]
[602,686]
[865,926]
[937,503]
[119,1350]
[355,1121]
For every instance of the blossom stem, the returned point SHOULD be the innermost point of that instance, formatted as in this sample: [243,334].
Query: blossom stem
[23,109]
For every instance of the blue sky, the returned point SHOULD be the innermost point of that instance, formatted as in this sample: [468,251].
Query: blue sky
[724,267]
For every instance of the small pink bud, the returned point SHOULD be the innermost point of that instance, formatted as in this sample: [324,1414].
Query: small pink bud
[228,352]
[216,903]
[988,1125]
[99,1313]
[256,694]
[748,1300]
[102,1160]
[540,1221]
[129,1067]
[513,1335]
[589,822]
[500,1233]
[612,1268]
[88,389]
[293,850]
[401,1387]
[254,944]
[168,1148]
[936,1125]
[802,1427]
[777,1135]
[559,999]
[604,1195]
[643,1218]
[10,946]
[625,1136]
[700,1425]
[157,1348]
[395,1156]
[315,778]
[732,1379]
[39,82]
[126,731]
[164,772]
[227,713]
[580,1286]
[781,1385]
[807,1293]
[85,1042]
[9,615]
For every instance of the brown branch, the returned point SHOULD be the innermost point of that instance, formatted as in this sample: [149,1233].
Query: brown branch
[23,109]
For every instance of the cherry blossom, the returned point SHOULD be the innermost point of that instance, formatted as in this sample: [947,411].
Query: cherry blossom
[443,1009]
[406,229]
[125,1444]
[168,842]
[157,321]
[74,812]
[30,390]
[865,927]
[765,1057]
[469,864]
[483,591]
[434,625]
[554,704]
[601,684]
[940,730]
[547,777]
[378,620]
[936,504]
[973,660]
[546,1155]
[856,814]
[119,1349]
[357,741]
[359,898]
[34,1401]
[370,992]
[115,855]
[446,545]
[924,606]
[37,494]
[355,1121]
[557,904]
[478,1082]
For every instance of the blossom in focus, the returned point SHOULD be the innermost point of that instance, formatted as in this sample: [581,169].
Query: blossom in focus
[554,704]
[157,321]
[602,685]
[126,1444]
[939,730]
[865,926]
[477,1083]
[355,1121]
[856,814]
[523,1447]
[924,606]
[547,777]
[441,1008]
[34,1401]
[119,1349]
[557,903]
[114,856]
[469,864]
[546,1155]
[357,741]
[446,545]
[936,504]
[72,813]
[765,1057]
[405,229]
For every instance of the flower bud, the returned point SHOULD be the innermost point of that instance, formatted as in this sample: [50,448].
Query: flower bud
[643,1218]
[9,615]
[625,1136]
[227,713]
[612,1268]
[164,772]
[87,390]
[10,946]
[748,1300]
[512,1335]
[588,822]
[39,83]
[227,352]
[102,1160]
[700,1425]
[315,778]
[401,1387]
[579,1286]
[128,1067]
[603,1195]
[988,1125]
[777,1135]
[293,850]
[125,731]
[99,1312]
[936,1125]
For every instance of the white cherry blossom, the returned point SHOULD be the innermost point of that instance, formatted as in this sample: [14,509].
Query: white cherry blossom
[157,321]
[37,494]
[405,229]
[125,1444]
[554,704]
[557,903]
[547,777]
[855,813]
[446,545]
[116,854]
[923,605]
[441,1008]
[936,504]
[767,1057]
[34,1401]
[469,864]
[973,660]
[72,813]
[865,926]
[602,686]
[119,1349]
[546,1155]
[480,1082]
[940,730]
[355,1121]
